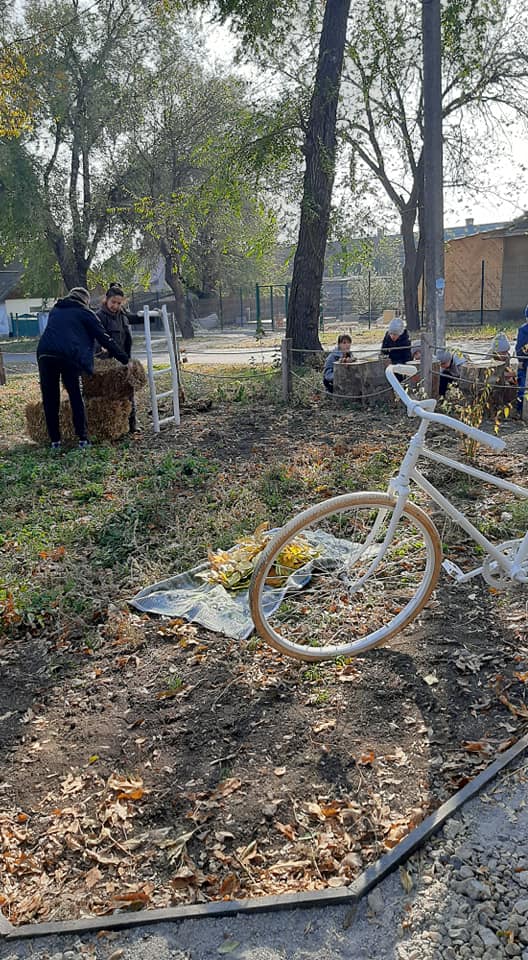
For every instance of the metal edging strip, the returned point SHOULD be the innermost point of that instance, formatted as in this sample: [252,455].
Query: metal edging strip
[288,901]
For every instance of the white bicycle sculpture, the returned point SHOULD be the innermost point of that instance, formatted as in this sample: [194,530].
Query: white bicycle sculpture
[378,555]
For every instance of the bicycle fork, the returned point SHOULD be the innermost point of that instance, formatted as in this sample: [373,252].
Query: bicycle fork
[400,489]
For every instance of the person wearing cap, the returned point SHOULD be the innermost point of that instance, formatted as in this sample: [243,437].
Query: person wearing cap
[521,352]
[64,351]
[450,365]
[115,319]
[500,347]
[500,350]
[396,345]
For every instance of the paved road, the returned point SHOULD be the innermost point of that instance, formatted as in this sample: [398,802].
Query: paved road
[241,357]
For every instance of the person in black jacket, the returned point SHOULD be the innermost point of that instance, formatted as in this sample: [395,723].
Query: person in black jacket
[115,320]
[65,350]
[396,343]
[396,346]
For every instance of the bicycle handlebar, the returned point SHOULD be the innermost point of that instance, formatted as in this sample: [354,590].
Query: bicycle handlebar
[416,409]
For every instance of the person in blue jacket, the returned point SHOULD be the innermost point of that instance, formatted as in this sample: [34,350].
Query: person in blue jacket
[340,354]
[64,351]
[521,352]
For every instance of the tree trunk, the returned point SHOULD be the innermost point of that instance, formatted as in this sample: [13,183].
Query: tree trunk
[412,268]
[320,148]
[73,273]
[3,378]
[173,279]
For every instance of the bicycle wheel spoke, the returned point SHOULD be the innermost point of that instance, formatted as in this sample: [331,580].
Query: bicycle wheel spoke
[358,583]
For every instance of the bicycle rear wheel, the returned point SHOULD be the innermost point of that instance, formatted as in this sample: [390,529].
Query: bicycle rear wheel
[369,576]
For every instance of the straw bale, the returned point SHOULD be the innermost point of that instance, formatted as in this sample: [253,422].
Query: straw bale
[113,381]
[36,422]
[136,375]
[107,420]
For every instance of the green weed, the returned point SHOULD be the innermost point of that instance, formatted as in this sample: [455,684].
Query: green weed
[277,486]
[312,674]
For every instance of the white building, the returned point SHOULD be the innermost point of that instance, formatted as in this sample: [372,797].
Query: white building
[10,275]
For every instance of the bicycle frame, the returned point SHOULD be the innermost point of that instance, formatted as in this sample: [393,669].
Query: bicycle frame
[399,486]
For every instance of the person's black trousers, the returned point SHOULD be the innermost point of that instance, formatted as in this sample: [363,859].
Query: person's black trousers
[444,380]
[51,370]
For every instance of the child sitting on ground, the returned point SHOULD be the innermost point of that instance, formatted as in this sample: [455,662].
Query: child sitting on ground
[500,350]
[450,365]
[341,354]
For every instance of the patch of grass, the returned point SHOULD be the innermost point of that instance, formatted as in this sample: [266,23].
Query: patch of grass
[80,532]
[313,674]
[277,486]
[90,491]
[321,698]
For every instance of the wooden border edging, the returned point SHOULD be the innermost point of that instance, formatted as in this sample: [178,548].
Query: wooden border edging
[5,926]
[287,901]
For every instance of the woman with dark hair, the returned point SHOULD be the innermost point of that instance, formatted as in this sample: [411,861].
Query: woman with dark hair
[65,350]
[115,320]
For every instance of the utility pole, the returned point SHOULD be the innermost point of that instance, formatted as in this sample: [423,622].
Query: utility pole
[433,334]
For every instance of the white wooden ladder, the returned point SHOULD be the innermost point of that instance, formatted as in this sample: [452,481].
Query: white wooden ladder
[172,367]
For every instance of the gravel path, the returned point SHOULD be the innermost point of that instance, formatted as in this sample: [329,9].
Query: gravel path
[465,895]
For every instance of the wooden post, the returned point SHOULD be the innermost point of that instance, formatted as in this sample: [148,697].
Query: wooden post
[286,368]
[3,378]
[426,359]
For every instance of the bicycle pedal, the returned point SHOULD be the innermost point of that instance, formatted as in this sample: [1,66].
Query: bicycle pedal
[453,570]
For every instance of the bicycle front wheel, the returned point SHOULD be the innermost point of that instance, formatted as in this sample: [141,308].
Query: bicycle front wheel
[366,573]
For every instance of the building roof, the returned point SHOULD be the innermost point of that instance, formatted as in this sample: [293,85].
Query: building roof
[470,229]
[515,228]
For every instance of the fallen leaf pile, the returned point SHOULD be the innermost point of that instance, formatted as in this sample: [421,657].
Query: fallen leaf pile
[82,856]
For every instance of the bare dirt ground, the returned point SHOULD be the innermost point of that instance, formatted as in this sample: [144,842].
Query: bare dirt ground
[146,762]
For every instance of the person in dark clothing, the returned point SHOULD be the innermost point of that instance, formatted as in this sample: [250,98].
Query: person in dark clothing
[115,320]
[521,352]
[450,365]
[396,345]
[64,351]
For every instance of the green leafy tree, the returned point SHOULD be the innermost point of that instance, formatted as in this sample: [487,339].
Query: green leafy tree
[83,76]
[190,196]
[485,73]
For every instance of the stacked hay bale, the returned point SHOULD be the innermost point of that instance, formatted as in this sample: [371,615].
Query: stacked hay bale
[107,398]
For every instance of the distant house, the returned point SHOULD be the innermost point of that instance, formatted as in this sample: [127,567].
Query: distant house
[19,315]
[486,274]
[10,276]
